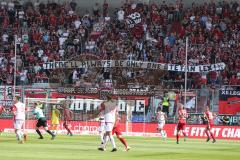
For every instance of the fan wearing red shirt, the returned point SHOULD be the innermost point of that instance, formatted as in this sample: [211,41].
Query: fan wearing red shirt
[209,116]
[116,130]
[182,116]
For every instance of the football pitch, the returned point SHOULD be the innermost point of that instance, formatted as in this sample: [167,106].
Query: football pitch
[85,148]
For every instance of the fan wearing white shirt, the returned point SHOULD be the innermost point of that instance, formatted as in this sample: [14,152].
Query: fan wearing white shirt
[208,24]
[77,23]
[75,76]
[21,14]
[5,37]
[120,14]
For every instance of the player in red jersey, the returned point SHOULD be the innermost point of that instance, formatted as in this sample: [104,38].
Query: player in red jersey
[209,116]
[67,114]
[182,116]
[116,130]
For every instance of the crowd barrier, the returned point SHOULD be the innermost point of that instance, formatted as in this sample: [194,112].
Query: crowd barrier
[136,129]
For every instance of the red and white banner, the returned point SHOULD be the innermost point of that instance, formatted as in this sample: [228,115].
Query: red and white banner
[140,129]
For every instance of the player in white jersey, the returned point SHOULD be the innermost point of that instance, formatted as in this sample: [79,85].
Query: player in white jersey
[109,109]
[19,112]
[161,118]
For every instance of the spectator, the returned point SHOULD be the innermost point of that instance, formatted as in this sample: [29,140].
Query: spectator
[225,120]
[49,32]
[75,76]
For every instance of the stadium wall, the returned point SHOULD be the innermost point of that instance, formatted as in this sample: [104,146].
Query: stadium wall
[91,128]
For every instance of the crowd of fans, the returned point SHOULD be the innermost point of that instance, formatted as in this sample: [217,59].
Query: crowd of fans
[135,31]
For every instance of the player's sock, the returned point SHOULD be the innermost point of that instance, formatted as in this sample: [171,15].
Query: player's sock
[69,131]
[106,138]
[206,131]
[48,131]
[71,134]
[214,140]
[123,142]
[185,136]
[19,135]
[163,134]
[212,135]
[39,133]
[102,137]
[112,141]
[177,137]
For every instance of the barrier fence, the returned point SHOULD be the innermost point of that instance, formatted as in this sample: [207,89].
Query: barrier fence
[193,131]
[133,107]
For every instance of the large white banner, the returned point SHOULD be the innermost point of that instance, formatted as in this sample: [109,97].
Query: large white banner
[133,64]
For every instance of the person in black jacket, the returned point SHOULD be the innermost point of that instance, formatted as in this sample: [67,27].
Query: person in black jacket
[225,120]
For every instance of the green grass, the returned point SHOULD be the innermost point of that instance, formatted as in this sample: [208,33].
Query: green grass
[85,148]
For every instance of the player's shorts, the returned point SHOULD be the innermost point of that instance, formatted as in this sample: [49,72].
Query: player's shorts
[42,122]
[18,124]
[181,126]
[109,126]
[101,128]
[117,131]
[161,125]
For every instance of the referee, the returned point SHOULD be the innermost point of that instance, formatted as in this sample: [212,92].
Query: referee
[41,122]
